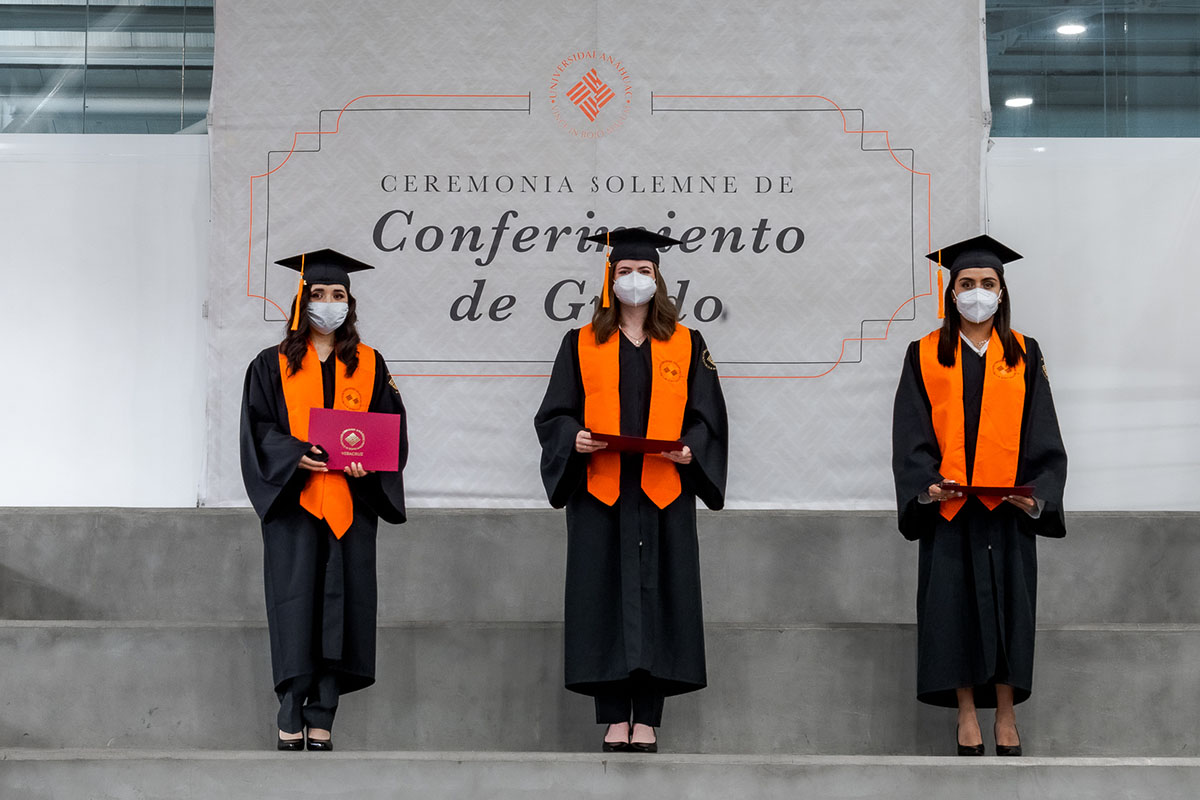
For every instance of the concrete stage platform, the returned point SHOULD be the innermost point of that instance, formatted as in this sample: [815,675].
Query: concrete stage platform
[135,664]
[150,775]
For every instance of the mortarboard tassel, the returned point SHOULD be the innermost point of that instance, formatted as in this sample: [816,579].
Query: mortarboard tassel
[941,291]
[607,266]
[300,288]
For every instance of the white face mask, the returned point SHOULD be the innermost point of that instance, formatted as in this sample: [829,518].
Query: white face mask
[327,317]
[635,288]
[977,305]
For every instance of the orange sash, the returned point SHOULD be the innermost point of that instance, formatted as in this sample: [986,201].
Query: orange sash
[999,440]
[600,367]
[326,495]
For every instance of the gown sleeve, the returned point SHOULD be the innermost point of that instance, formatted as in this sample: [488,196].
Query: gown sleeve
[270,455]
[383,492]
[916,457]
[705,429]
[1043,461]
[558,421]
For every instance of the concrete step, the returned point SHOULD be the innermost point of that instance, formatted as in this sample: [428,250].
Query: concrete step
[1113,690]
[183,775]
[496,565]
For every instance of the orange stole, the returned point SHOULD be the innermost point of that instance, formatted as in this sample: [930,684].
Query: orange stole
[600,367]
[326,495]
[998,443]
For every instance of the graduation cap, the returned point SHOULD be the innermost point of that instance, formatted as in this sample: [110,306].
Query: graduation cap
[321,266]
[324,266]
[978,251]
[630,244]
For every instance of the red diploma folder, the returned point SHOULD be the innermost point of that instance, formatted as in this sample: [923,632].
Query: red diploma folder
[988,491]
[363,436]
[636,444]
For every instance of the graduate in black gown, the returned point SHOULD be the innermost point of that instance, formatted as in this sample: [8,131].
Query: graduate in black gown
[634,631]
[974,408]
[318,526]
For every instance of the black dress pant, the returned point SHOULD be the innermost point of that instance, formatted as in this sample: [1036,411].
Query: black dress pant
[308,701]
[636,698]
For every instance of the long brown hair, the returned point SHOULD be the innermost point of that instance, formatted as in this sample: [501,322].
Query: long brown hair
[949,337]
[345,338]
[660,319]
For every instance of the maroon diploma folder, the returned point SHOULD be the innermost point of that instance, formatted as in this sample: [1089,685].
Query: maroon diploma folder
[989,491]
[636,444]
[362,436]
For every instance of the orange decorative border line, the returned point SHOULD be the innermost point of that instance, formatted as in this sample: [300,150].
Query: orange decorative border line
[336,129]
[845,129]
[862,133]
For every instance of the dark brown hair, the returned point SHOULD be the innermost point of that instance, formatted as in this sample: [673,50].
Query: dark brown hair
[345,338]
[949,337]
[660,319]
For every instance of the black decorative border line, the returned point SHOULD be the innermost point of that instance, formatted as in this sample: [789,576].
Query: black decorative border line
[528,110]
[321,131]
[862,146]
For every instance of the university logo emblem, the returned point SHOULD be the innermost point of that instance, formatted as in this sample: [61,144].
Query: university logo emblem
[351,399]
[353,439]
[670,371]
[590,95]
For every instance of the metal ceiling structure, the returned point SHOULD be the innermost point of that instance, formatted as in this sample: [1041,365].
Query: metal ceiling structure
[1134,69]
[145,66]
[125,66]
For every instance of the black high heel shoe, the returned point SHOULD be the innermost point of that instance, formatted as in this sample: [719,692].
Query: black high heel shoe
[290,744]
[1008,750]
[614,747]
[643,747]
[321,745]
[967,749]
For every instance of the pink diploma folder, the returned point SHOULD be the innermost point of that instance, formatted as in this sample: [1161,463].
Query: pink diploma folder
[363,436]
[636,444]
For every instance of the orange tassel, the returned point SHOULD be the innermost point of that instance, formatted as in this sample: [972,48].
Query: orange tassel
[299,289]
[941,290]
[604,302]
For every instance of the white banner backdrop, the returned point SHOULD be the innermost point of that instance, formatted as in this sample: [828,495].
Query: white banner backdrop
[807,154]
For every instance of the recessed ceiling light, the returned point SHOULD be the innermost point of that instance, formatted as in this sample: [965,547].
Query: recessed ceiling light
[1071,30]
[1018,102]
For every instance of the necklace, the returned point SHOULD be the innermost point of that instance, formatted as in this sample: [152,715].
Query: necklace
[633,339]
[977,343]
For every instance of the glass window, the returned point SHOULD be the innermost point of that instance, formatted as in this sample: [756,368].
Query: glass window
[1083,68]
[1094,68]
[140,66]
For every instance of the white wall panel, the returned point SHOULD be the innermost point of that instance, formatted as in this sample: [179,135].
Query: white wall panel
[1110,231]
[105,258]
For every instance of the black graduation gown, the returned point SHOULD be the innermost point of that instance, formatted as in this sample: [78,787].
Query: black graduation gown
[320,591]
[633,570]
[977,576]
